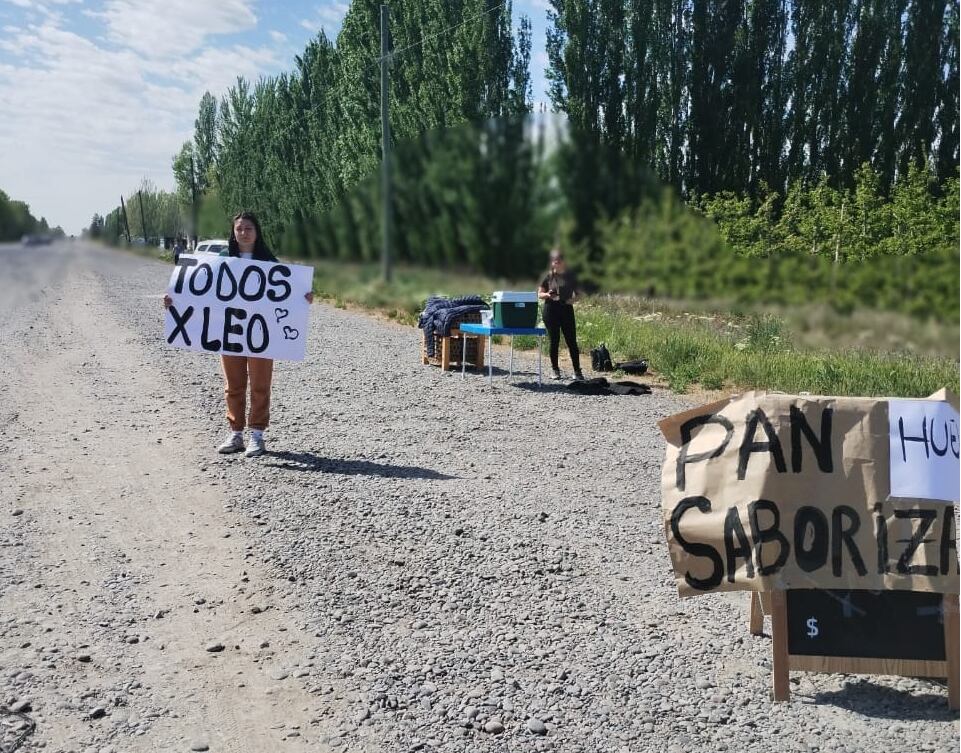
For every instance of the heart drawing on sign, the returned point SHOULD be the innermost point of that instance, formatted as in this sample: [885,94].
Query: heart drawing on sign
[280,314]
[290,333]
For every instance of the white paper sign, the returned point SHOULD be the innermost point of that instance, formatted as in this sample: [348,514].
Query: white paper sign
[924,450]
[234,306]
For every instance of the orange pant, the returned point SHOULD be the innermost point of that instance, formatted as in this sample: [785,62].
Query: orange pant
[238,370]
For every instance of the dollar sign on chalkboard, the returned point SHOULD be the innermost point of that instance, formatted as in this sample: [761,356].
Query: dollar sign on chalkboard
[812,624]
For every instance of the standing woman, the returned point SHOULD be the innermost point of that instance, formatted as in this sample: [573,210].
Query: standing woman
[558,290]
[247,242]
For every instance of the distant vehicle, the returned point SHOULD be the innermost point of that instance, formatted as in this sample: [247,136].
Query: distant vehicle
[211,247]
[36,239]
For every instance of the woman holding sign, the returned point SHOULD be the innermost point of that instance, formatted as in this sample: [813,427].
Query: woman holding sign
[247,242]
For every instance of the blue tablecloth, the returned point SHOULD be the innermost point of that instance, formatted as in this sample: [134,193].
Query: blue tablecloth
[480,329]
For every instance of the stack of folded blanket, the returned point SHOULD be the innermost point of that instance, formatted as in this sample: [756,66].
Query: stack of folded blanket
[441,314]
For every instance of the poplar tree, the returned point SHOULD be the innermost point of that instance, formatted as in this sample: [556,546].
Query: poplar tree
[921,87]
[948,102]
[205,141]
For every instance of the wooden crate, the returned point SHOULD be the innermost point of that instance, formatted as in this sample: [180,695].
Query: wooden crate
[447,351]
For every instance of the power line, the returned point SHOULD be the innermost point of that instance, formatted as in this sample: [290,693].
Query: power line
[449,28]
[376,61]
[385,59]
[356,75]
[340,86]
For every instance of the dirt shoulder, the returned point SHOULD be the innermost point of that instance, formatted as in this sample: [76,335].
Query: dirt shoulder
[125,565]
[423,561]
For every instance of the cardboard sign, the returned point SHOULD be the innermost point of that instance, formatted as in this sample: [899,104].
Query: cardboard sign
[241,307]
[924,450]
[773,492]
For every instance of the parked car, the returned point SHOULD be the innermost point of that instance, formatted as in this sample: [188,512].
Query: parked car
[211,247]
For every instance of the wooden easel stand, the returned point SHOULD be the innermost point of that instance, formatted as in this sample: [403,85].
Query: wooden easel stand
[775,604]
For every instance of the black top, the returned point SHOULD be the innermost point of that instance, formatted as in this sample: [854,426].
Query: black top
[562,283]
[259,255]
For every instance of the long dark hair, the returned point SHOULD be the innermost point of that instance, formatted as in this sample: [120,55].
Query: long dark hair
[261,252]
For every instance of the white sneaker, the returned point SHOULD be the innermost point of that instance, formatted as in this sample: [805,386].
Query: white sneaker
[557,375]
[257,445]
[234,443]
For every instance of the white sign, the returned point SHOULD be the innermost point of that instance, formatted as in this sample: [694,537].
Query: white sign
[235,306]
[924,444]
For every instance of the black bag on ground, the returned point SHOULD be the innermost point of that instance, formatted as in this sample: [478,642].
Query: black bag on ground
[636,368]
[600,386]
[601,359]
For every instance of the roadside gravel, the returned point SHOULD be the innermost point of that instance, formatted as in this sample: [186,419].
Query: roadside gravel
[476,569]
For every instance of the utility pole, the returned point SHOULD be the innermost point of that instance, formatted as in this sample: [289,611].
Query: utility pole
[193,202]
[143,222]
[125,223]
[385,140]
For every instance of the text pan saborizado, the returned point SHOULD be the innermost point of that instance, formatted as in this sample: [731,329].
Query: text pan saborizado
[234,306]
[769,492]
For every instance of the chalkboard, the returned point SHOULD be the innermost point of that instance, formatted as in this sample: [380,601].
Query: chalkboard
[907,633]
[866,624]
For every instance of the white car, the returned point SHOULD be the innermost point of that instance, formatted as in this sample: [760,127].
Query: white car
[211,247]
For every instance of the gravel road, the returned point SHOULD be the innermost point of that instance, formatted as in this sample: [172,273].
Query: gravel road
[420,563]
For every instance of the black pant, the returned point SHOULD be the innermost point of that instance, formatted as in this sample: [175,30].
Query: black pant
[559,317]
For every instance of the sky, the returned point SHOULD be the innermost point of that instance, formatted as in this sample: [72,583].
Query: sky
[96,95]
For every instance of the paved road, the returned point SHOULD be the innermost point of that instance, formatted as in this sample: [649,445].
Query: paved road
[420,563]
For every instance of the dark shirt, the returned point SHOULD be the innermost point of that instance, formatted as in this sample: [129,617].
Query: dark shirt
[562,283]
[268,256]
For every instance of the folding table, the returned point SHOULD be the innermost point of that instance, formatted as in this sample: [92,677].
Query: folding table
[482,330]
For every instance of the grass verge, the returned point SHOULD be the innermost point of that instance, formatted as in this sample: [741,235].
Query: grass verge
[758,355]
[704,348]
[362,285]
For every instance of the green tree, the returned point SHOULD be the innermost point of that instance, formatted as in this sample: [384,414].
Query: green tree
[816,68]
[874,23]
[921,87]
[712,135]
[205,141]
[238,153]
[96,227]
[869,214]
[916,224]
[16,220]
[948,99]
[183,174]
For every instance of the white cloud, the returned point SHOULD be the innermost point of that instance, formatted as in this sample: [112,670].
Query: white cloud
[174,27]
[328,16]
[33,6]
[84,120]
[277,36]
